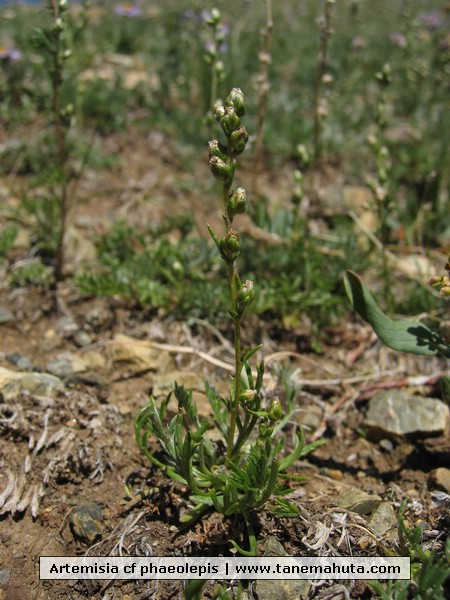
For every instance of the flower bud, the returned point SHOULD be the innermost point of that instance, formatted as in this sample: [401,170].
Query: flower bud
[246,293]
[219,112]
[215,148]
[436,281]
[247,396]
[275,412]
[238,139]
[230,121]
[237,203]
[229,246]
[219,168]
[236,100]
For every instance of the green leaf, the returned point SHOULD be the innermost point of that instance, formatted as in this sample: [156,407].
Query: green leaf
[404,336]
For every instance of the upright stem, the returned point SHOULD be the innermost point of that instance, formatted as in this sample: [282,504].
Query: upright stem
[61,144]
[264,59]
[232,282]
[325,33]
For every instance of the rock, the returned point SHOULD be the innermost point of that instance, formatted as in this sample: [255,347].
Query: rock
[86,522]
[6,315]
[358,501]
[284,589]
[140,353]
[440,479]
[68,364]
[394,413]
[51,340]
[13,383]
[383,519]
[5,576]
[23,363]
[82,338]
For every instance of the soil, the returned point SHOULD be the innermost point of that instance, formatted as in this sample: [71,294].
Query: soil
[89,454]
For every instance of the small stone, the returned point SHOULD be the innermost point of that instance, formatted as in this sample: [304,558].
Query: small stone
[86,522]
[440,479]
[6,315]
[21,362]
[383,519]
[82,338]
[285,589]
[395,413]
[5,576]
[387,445]
[358,501]
[13,383]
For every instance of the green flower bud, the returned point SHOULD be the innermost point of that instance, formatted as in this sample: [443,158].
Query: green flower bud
[265,430]
[219,112]
[247,396]
[436,281]
[237,204]
[246,293]
[213,18]
[275,411]
[238,139]
[230,121]
[236,100]
[219,168]
[229,246]
[215,148]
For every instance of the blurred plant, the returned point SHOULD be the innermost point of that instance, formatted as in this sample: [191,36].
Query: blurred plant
[322,78]
[193,590]
[8,236]
[213,48]
[381,183]
[242,474]
[402,335]
[128,31]
[429,570]
[51,42]
[264,58]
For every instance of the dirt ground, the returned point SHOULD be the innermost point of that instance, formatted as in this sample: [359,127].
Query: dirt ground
[77,447]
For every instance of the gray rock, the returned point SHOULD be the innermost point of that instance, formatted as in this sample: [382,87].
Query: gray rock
[13,383]
[86,522]
[285,589]
[395,413]
[82,338]
[358,501]
[6,315]
[23,363]
[5,576]
[383,519]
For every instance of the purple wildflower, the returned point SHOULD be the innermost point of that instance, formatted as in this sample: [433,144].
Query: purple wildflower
[11,54]
[432,20]
[128,10]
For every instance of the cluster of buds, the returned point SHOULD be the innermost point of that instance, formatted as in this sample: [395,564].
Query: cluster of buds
[222,157]
[274,414]
[442,282]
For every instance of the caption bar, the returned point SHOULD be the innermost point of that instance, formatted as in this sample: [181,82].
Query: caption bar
[274,567]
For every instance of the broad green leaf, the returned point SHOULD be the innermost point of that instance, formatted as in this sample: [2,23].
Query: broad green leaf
[404,336]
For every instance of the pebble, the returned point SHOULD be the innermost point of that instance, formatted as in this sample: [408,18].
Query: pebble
[21,362]
[86,522]
[395,413]
[284,589]
[383,519]
[5,576]
[6,315]
[358,501]
[82,338]
[440,479]
[13,383]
